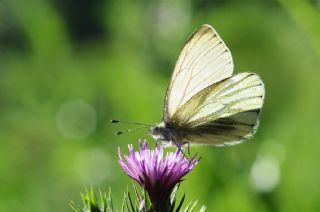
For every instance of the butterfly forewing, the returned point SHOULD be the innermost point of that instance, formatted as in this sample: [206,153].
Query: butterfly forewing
[204,60]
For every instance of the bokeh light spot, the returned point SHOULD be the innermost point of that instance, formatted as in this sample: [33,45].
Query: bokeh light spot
[76,119]
[93,166]
[265,174]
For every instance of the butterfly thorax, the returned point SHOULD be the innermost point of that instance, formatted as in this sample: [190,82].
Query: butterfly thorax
[165,132]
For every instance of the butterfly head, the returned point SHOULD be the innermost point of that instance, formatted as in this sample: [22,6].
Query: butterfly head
[160,132]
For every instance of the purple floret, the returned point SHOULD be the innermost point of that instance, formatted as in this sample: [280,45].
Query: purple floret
[156,173]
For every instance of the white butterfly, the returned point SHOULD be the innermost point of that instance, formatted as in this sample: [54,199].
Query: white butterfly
[205,103]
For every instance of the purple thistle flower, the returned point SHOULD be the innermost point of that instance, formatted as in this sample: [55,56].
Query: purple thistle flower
[157,174]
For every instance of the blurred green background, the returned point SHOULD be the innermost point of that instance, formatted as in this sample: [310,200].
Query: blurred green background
[67,67]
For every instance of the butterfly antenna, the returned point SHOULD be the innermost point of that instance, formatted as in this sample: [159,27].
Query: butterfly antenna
[114,121]
[130,130]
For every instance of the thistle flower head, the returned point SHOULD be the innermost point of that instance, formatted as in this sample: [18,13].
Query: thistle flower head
[156,173]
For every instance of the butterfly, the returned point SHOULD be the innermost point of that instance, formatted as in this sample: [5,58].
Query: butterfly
[204,102]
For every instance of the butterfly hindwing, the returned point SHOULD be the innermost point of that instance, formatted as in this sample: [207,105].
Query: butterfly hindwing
[225,131]
[204,60]
[224,113]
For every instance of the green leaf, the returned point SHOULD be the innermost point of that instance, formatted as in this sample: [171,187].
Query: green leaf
[123,203]
[127,201]
[174,193]
[75,207]
[147,202]
[138,196]
[109,201]
[203,208]
[130,201]
[194,204]
[102,202]
[180,204]
[188,206]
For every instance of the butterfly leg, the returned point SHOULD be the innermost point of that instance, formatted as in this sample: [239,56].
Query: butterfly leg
[189,154]
[180,149]
[158,142]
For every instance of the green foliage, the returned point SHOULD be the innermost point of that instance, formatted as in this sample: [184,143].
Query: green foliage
[140,203]
[91,202]
[123,74]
